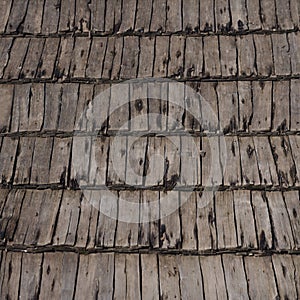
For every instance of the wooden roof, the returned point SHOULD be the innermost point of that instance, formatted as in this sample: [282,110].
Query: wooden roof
[236,232]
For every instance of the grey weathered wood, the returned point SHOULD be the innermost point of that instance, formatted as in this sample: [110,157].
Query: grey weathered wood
[5,46]
[24,160]
[295,146]
[161,56]
[80,57]
[127,273]
[207,18]
[206,221]
[7,159]
[83,15]
[150,284]
[113,15]
[284,14]
[36,113]
[281,115]
[213,277]
[175,65]
[158,20]
[68,105]
[41,161]
[264,62]
[190,277]
[97,15]
[284,269]
[245,226]
[249,164]
[146,53]
[239,14]
[236,281]
[188,210]
[48,58]
[95,276]
[246,55]
[228,51]
[6,102]
[222,15]
[34,17]
[294,10]
[59,275]
[268,15]
[96,58]
[17,13]
[294,42]
[62,68]
[128,210]
[128,16]
[291,199]
[245,105]
[169,277]
[174,16]
[176,105]
[262,220]
[190,15]
[266,165]
[112,60]
[50,17]
[68,217]
[30,275]
[262,106]
[130,57]
[226,231]
[172,161]
[295,105]
[283,236]
[3,197]
[210,162]
[281,49]
[10,274]
[170,233]
[193,57]
[228,106]
[287,172]
[4,15]
[143,16]
[253,10]
[16,58]
[263,286]
[211,56]
[67,15]
[33,56]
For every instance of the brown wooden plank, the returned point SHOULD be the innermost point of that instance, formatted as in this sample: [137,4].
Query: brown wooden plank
[263,51]
[294,10]
[281,52]
[50,17]
[246,55]
[207,18]
[5,46]
[266,165]
[222,15]
[284,271]
[127,231]
[228,51]
[96,58]
[175,65]
[7,159]
[36,113]
[150,283]
[263,286]
[169,277]
[294,42]
[170,233]
[128,15]
[284,15]
[4,15]
[253,10]
[211,56]
[158,20]
[268,14]
[130,57]
[245,105]
[193,57]
[3,197]
[59,275]
[245,226]
[146,51]
[161,56]
[83,15]
[283,236]
[67,15]
[295,146]
[262,220]
[239,14]
[249,164]
[17,13]
[113,15]
[68,217]
[6,102]
[176,106]
[48,58]
[287,172]
[190,15]
[16,58]
[295,105]
[236,281]
[174,16]
[143,16]
[34,16]
[112,60]
[97,15]
[213,277]
[262,106]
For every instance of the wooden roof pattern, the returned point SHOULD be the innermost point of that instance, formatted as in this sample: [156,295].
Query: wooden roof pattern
[236,231]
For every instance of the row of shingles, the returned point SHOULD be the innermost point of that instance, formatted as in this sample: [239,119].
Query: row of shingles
[148,276]
[156,161]
[208,221]
[159,162]
[241,106]
[175,56]
[50,16]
